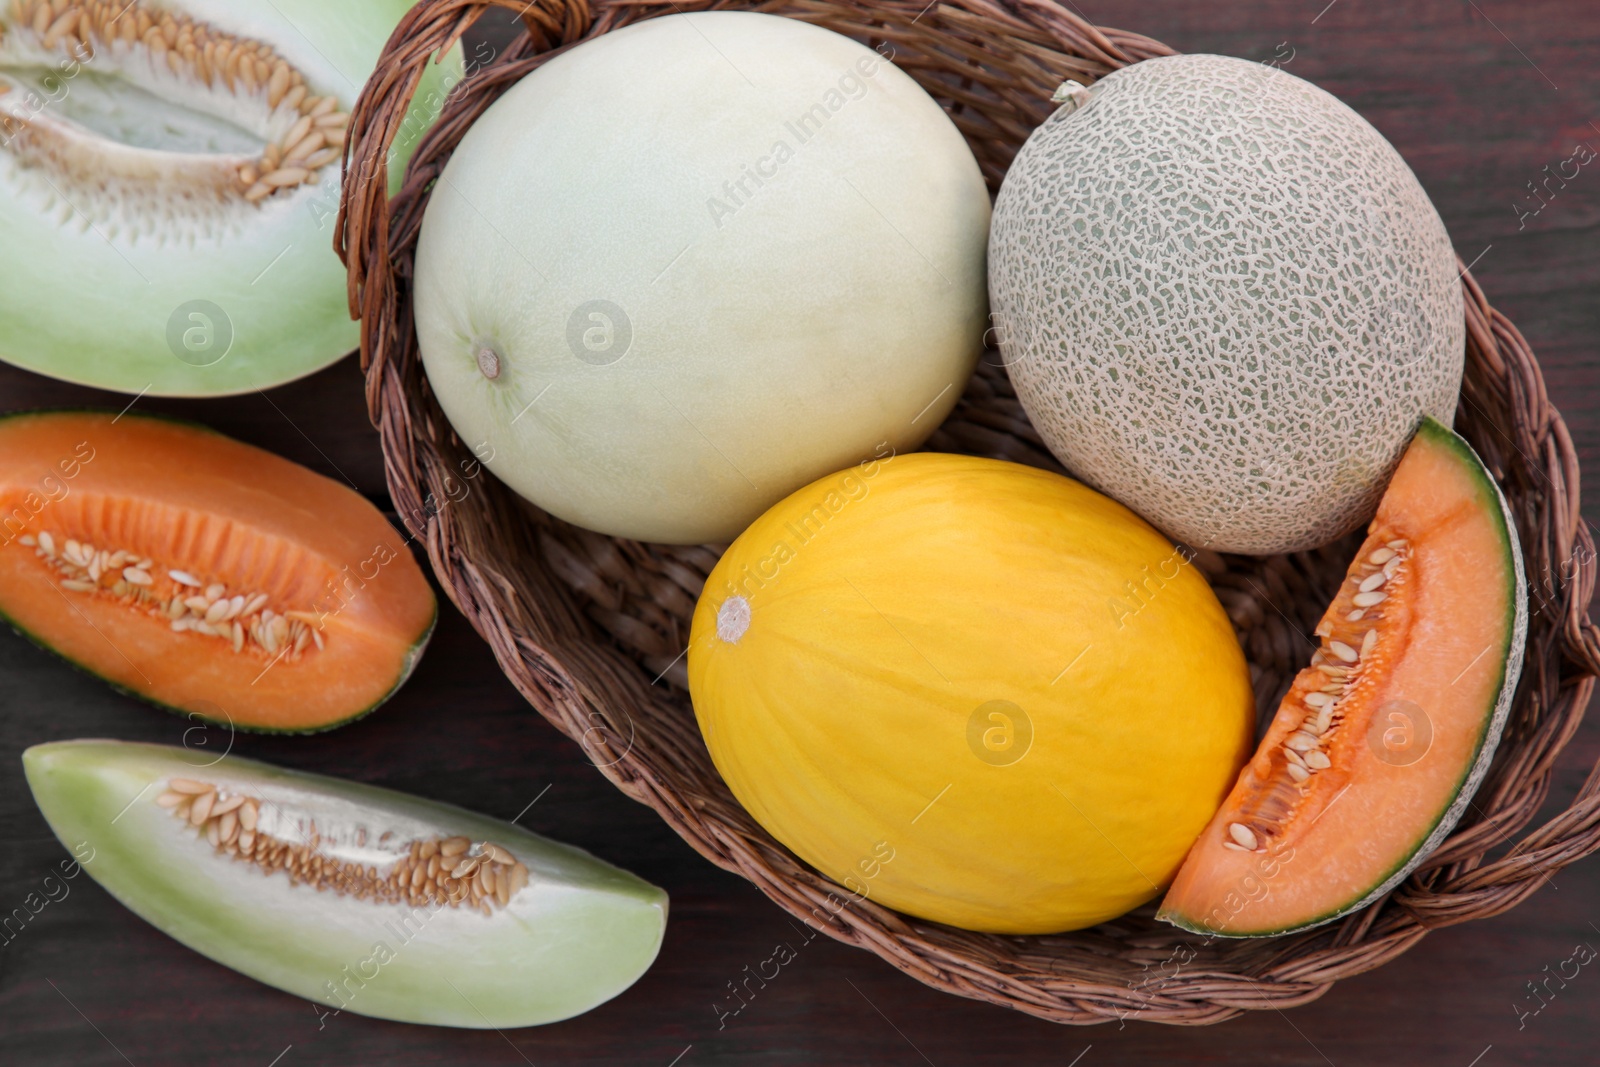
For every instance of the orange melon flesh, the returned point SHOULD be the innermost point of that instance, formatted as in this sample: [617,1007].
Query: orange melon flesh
[222,513]
[1414,722]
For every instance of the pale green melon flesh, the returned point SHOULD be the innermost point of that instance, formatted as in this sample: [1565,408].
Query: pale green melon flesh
[581,932]
[91,289]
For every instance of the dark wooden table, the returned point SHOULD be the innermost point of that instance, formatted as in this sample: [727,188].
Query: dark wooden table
[1478,96]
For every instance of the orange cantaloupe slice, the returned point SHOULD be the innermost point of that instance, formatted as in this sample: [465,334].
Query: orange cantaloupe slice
[344,611]
[1378,747]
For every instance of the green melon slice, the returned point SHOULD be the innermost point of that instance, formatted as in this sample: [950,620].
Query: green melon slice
[558,933]
[145,248]
[1378,747]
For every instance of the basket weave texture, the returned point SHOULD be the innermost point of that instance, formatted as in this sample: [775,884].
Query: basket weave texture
[592,629]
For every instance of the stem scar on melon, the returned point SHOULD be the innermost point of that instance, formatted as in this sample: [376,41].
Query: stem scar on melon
[1378,746]
[733,619]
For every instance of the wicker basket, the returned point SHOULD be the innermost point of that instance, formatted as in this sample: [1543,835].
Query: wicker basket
[591,630]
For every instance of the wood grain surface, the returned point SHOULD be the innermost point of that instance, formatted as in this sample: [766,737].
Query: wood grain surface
[1478,95]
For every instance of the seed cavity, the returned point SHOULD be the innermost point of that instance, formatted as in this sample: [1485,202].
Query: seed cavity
[242,620]
[222,93]
[487,875]
[1335,669]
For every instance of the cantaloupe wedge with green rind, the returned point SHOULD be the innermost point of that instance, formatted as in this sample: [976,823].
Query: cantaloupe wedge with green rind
[203,574]
[1378,747]
[397,907]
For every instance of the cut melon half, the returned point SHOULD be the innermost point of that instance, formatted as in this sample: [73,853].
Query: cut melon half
[203,574]
[170,176]
[1378,747]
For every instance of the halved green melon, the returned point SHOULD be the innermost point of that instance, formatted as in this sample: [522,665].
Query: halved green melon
[169,180]
[355,897]
[1379,745]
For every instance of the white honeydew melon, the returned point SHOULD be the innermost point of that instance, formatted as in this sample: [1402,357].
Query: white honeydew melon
[571,932]
[130,256]
[640,347]
[1225,300]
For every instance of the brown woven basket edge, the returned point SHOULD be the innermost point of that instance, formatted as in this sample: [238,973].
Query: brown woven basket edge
[584,675]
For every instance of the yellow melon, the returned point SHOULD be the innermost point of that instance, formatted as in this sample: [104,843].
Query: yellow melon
[976,692]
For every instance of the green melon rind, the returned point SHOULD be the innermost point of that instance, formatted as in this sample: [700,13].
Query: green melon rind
[409,664]
[94,310]
[581,933]
[1436,433]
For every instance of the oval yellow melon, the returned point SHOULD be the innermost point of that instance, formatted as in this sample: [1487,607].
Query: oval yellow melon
[976,692]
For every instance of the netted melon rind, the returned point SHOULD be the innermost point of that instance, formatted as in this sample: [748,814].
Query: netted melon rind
[1225,300]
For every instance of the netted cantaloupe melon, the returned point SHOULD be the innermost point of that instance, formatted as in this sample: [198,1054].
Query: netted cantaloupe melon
[1224,300]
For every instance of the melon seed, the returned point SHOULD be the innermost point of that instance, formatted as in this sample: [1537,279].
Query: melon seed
[1318,761]
[242,79]
[1373,581]
[1343,651]
[1369,642]
[85,569]
[1297,772]
[202,807]
[490,874]
[1243,835]
[1381,556]
[1367,600]
[1301,741]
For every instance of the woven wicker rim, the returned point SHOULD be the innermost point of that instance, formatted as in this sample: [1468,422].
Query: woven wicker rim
[591,629]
